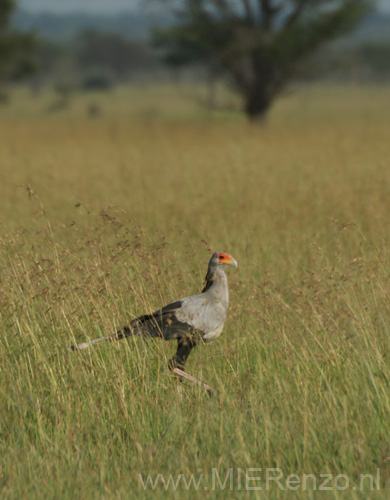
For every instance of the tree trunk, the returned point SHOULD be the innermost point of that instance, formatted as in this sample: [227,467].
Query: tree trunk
[257,103]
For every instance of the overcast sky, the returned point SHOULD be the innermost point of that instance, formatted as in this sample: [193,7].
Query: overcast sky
[92,6]
[105,6]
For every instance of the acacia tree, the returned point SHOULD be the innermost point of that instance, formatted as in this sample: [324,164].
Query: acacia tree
[257,43]
[15,48]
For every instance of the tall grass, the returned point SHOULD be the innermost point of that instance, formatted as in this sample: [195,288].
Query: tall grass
[103,220]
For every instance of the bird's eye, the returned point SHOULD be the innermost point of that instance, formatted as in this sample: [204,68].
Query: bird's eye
[220,257]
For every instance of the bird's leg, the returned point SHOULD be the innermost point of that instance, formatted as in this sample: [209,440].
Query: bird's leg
[184,347]
[181,373]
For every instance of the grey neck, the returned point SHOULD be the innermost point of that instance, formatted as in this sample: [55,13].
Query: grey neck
[216,284]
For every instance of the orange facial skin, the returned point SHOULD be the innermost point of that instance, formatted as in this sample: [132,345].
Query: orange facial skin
[224,258]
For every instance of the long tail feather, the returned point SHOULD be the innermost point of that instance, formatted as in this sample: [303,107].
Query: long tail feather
[112,337]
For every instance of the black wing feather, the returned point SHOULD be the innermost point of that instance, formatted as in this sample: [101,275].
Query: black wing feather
[162,323]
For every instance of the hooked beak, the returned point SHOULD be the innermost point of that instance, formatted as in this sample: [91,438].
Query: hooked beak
[233,263]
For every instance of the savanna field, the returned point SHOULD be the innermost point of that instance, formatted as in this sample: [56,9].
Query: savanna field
[105,218]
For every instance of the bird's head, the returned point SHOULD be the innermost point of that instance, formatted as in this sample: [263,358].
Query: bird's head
[222,259]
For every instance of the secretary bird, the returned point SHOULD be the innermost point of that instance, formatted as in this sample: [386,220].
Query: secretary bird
[191,320]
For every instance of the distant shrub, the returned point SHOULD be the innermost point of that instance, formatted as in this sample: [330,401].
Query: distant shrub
[97,81]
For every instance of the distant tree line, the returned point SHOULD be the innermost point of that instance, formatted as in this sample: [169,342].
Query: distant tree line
[364,63]
[94,60]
